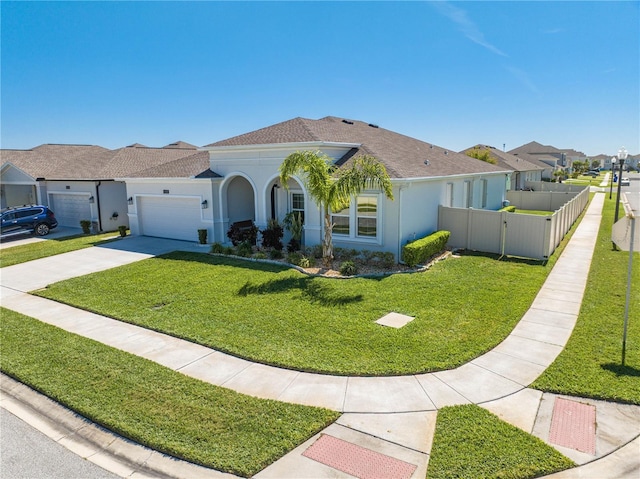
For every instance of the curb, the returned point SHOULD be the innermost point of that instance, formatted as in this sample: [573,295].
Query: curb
[92,442]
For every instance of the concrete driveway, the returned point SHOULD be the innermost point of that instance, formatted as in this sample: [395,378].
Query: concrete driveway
[39,273]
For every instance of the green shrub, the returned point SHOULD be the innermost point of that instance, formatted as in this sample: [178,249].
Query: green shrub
[86,226]
[304,262]
[123,230]
[260,255]
[294,258]
[202,236]
[387,259]
[316,251]
[228,250]
[244,249]
[217,248]
[275,254]
[421,250]
[509,209]
[348,268]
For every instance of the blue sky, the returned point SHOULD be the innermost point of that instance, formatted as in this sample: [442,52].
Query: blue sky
[450,73]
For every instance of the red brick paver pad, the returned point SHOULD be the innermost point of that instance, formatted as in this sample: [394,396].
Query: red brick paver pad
[574,425]
[357,461]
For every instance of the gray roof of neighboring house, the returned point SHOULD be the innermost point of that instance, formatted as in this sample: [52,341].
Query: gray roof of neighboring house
[507,160]
[403,156]
[89,162]
[535,148]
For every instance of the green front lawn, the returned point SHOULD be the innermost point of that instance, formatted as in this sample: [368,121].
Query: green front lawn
[590,364]
[463,307]
[42,249]
[153,405]
[473,443]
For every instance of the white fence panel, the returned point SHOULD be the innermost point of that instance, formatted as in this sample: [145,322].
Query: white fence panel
[515,234]
[526,235]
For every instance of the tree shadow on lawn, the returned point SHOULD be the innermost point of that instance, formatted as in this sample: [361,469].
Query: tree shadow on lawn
[620,370]
[311,289]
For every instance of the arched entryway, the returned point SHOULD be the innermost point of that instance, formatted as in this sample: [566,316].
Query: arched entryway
[240,200]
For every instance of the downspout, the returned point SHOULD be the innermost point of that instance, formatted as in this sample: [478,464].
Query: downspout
[400,188]
[98,205]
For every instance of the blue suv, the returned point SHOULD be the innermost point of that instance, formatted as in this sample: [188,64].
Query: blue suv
[34,219]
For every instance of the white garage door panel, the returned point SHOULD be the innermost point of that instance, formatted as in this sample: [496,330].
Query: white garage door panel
[70,209]
[164,217]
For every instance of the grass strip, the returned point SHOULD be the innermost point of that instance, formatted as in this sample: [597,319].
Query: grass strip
[153,405]
[470,442]
[590,364]
[268,313]
[51,247]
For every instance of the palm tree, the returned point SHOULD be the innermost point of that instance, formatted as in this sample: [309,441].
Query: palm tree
[332,188]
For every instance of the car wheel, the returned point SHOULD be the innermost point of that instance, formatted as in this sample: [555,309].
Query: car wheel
[42,229]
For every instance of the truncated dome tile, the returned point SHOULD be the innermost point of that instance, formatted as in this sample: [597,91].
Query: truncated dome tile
[574,425]
[356,460]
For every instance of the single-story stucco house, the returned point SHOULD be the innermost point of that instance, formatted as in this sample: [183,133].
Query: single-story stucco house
[243,184]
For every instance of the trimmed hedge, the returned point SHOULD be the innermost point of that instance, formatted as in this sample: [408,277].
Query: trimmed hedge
[421,250]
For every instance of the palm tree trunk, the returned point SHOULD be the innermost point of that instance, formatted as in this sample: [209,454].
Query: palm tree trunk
[327,243]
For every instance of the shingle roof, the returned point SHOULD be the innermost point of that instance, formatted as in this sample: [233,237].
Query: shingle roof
[532,159]
[507,160]
[403,156]
[535,148]
[85,162]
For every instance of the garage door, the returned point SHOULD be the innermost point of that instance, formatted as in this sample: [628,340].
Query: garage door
[70,209]
[170,217]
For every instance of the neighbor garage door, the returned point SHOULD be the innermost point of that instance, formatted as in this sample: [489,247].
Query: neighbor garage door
[169,217]
[70,209]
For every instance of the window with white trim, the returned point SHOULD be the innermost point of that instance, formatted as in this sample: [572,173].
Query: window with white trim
[359,220]
[367,216]
[449,197]
[341,220]
[467,195]
[484,187]
[297,204]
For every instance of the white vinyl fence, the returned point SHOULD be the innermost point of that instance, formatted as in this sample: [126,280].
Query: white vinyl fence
[515,234]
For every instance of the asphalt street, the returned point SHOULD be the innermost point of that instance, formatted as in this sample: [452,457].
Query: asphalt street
[29,454]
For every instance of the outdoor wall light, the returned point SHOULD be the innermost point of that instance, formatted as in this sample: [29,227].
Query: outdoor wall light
[130,200]
[204,205]
[92,199]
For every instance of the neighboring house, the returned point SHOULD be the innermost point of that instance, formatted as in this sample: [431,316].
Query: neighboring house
[523,170]
[423,176]
[81,182]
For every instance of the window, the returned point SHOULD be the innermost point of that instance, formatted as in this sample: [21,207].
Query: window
[358,221]
[449,198]
[484,193]
[367,216]
[297,204]
[340,220]
[467,200]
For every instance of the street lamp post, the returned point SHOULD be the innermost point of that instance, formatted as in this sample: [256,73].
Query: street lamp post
[613,172]
[622,155]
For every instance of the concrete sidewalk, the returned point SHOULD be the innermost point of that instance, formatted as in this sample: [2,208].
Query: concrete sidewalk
[394,416]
